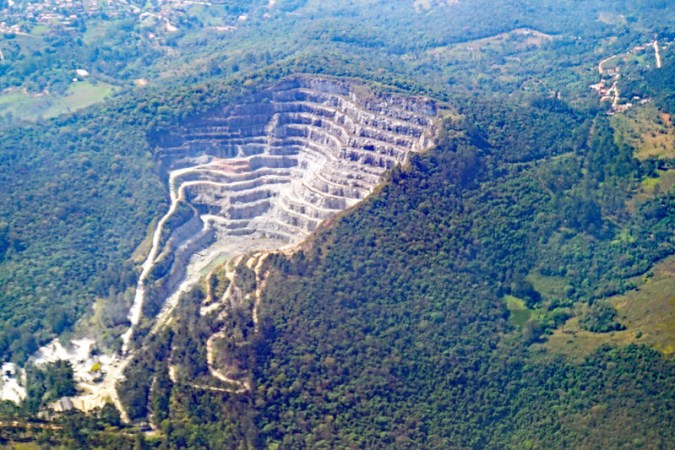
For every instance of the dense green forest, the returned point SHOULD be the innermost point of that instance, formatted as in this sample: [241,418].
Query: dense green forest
[417,290]
[390,328]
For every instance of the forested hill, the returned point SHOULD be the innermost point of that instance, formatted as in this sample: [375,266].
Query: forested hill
[508,287]
[92,176]
[392,328]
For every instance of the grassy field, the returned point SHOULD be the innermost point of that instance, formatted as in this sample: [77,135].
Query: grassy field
[647,312]
[30,107]
[22,106]
[612,18]
[648,130]
[516,40]
[652,134]
[549,287]
[520,314]
[96,31]
[650,186]
[79,95]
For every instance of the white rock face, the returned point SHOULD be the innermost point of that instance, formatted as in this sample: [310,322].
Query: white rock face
[80,353]
[10,387]
[262,175]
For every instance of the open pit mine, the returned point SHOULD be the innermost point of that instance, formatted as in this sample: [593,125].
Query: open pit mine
[256,177]
[263,174]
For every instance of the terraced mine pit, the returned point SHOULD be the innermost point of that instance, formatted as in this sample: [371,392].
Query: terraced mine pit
[262,175]
[246,180]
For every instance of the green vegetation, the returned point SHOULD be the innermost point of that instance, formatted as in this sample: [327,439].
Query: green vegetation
[647,313]
[188,417]
[20,106]
[415,279]
[48,384]
[413,287]
[600,318]
[648,130]
[519,313]
[79,95]
[78,201]
[496,292]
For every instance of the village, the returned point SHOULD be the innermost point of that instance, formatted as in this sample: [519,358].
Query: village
[608,86]
[21,17]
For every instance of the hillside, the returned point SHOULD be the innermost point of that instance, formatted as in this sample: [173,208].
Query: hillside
[390,327]
[304,224]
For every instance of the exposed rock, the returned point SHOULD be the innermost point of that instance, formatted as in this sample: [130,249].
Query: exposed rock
[64,404]
[263,173]
[11,388]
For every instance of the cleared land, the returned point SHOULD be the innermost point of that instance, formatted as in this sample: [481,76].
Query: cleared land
[648,130]
[32,107]
[647,312]
[519,313]
[517,40]
[652,134]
